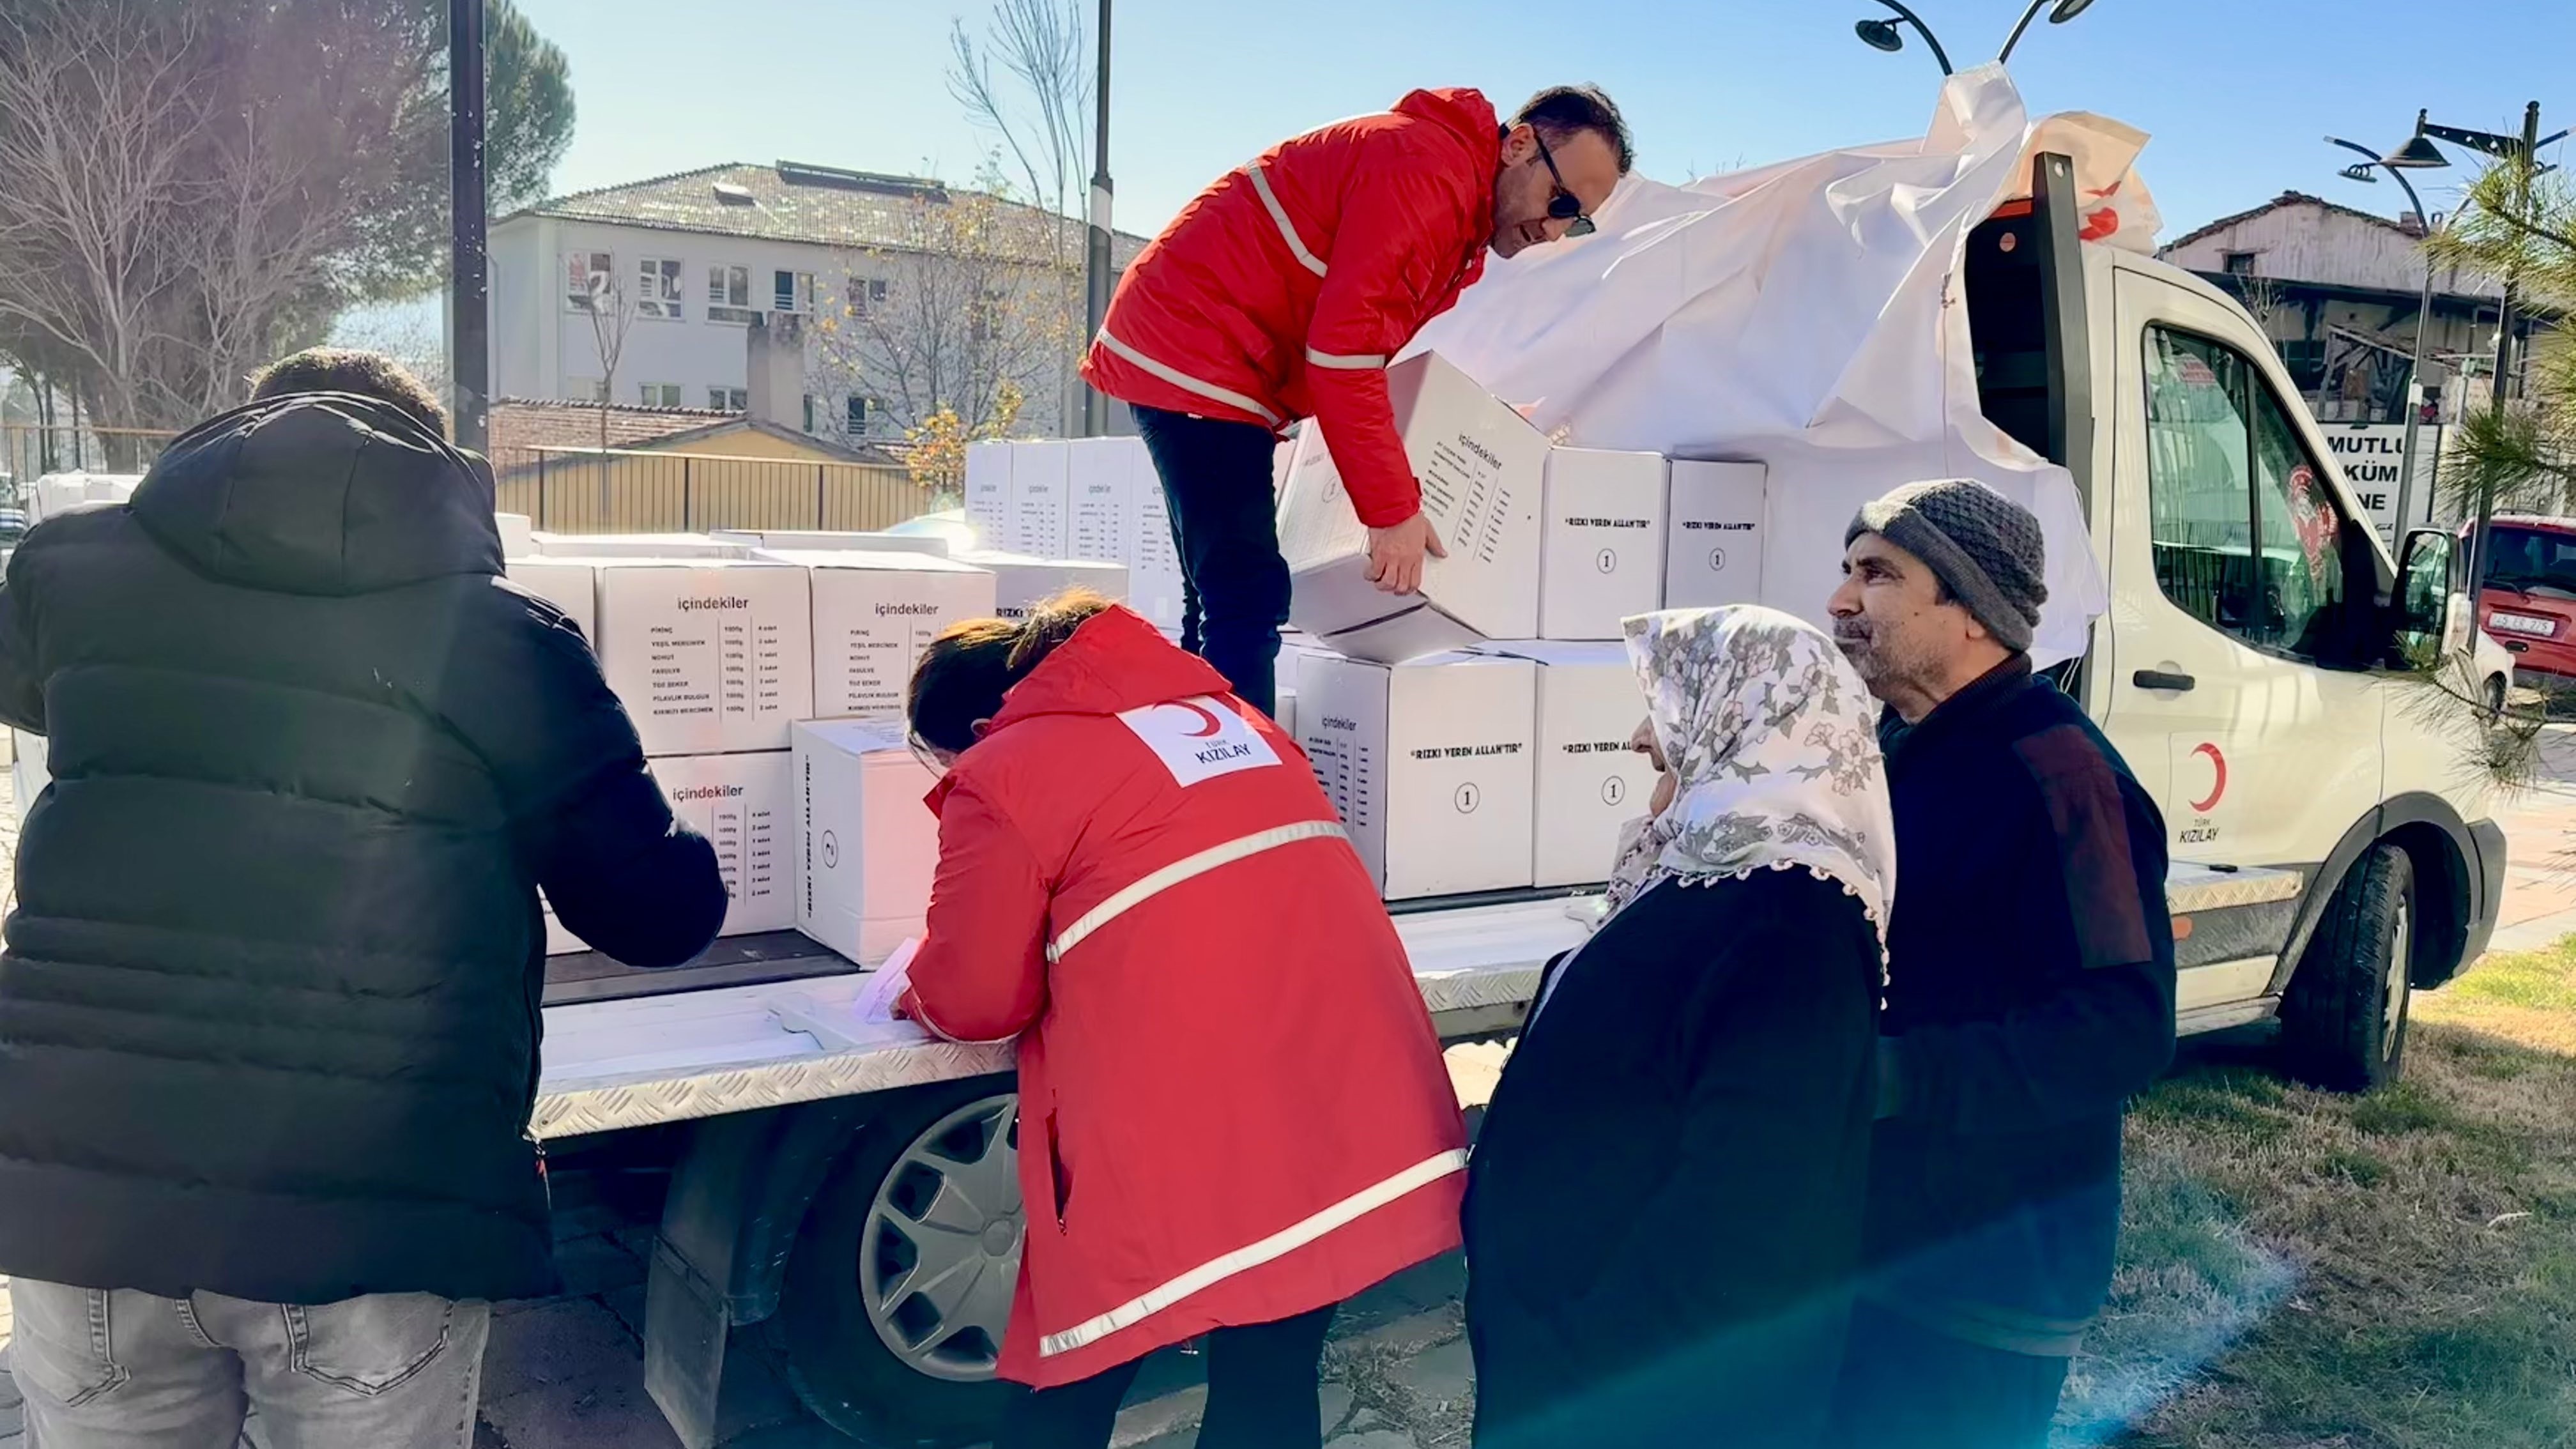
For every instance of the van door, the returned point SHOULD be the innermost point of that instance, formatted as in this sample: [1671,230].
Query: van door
[2243,590]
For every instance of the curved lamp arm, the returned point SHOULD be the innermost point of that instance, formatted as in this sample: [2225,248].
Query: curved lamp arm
[1934,41]
[2377,160]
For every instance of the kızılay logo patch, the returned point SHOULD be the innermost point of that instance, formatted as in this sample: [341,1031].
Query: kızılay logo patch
[1199,739]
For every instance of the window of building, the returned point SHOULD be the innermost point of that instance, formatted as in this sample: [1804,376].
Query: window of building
[809,412]
[792,291]
[864,294]
[586,389]
[729,294]
[588,276]
[729,399]
[2247,533]
[2239,264]
[661,395]
[658,290]
[858,416]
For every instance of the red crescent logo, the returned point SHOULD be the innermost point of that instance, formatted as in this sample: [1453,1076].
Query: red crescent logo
[1206,716]
[2218,788]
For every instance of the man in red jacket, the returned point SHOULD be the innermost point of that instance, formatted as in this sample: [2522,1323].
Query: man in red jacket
[1282,291]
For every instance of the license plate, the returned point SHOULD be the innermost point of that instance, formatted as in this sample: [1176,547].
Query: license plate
[2522,624]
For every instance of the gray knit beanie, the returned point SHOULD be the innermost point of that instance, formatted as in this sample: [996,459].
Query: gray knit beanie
[1984,546]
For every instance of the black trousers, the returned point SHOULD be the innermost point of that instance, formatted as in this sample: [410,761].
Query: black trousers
[1216,480]
[1907,1387]
[1262,1394]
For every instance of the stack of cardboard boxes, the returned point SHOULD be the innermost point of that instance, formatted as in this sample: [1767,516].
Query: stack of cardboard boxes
[1474,735]
[766,676]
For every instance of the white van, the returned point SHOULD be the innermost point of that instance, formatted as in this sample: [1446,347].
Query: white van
[2253,666]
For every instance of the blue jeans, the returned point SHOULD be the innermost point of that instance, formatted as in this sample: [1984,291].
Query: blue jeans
[1216,479]
[125,1369]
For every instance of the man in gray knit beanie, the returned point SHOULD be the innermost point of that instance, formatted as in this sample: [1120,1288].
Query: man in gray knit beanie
[2030,986]
[1944,584]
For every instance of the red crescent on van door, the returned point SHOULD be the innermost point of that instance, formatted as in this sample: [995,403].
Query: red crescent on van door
[2218,763]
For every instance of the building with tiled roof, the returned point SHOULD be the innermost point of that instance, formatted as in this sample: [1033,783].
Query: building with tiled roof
[2338,290]
[694,258]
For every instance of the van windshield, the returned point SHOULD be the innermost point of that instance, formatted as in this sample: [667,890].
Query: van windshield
[2532,561]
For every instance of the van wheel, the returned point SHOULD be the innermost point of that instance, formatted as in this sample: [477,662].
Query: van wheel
[2343,1023]
[891,1313]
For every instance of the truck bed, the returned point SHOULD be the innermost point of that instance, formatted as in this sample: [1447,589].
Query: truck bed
[790,1035]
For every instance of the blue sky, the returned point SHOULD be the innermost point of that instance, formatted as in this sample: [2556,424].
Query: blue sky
[2237,93]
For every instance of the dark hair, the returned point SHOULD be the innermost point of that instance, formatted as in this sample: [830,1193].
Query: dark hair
[1560,111]
[347,369]
[965,672]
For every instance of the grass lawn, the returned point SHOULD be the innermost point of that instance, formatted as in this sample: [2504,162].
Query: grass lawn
[2397,1271]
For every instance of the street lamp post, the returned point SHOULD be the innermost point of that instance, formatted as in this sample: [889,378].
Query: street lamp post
[2423,316]
[469,300]
[1095,403]
[1883,34]
[2420,153]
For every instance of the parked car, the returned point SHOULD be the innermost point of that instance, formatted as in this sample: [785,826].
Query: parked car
[2528,601]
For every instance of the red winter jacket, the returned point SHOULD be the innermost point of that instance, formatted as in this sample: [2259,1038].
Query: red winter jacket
[1232,1104]
[1281,291]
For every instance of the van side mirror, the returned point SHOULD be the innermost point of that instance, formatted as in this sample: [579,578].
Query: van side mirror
[2427,576]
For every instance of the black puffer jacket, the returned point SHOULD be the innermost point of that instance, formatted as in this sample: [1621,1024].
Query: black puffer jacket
[269,1007]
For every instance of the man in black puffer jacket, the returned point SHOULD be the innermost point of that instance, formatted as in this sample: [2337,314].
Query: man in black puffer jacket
[269,1005]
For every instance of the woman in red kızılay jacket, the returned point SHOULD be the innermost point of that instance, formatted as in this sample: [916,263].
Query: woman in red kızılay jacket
[1233,1110]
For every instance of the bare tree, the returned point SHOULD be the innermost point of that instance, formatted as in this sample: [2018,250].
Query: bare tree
[612,316]
[187,190]
[967,316]
[1040,107]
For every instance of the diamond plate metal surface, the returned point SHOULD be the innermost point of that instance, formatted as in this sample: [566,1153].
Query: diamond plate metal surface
[615,1103]
[1467,961]
[2189,889]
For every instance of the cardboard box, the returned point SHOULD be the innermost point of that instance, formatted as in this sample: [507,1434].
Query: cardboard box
[743,804]
[988,490]
[1282,458]
[813,541]
[1430,765]
[1589,782]
[1155,585]
[1601,542]
[710,656]
[1286,715]
[873,615]
[1482,467]
[864,846]
[568,584]
[518,535]
[637,545]
[1102,476]
[1041,500]
[1022,583]
[1715,534]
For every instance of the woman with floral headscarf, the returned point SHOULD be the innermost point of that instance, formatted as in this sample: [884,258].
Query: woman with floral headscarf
[1664,1207]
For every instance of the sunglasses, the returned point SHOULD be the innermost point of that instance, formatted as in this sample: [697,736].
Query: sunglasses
[1563,205]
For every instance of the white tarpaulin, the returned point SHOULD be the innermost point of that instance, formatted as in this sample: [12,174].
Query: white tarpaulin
[1801,315]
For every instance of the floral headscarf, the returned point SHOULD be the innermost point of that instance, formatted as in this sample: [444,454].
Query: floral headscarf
[1773,737]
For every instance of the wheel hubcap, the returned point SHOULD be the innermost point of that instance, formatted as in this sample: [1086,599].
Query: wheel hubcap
[939,1253]
[2399,983]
